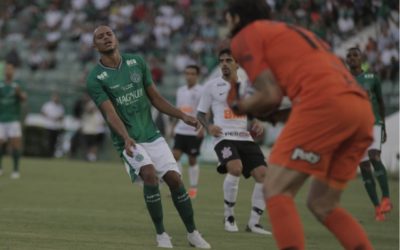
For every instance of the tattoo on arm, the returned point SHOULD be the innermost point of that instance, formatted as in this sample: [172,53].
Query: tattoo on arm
[203,119]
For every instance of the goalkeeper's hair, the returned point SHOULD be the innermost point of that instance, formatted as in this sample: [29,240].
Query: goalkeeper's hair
[248,11]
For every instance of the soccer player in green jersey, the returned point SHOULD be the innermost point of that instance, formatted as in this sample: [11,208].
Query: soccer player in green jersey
[122,87]
[372,85]
[11,97]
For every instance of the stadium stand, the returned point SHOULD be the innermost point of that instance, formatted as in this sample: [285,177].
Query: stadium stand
[51,39]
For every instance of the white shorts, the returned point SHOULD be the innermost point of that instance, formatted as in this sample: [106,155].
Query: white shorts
[376,143]
[156,153]
[10,130]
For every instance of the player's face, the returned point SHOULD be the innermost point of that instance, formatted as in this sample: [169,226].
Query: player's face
[191,76]
[228,64]
[104,40]
[353,58]
[9,71]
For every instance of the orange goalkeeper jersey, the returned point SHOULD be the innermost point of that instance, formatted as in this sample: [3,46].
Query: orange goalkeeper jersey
[302,64]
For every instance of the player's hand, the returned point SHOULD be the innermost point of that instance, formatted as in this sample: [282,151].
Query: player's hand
[201,133]
[130,145]
[214,130]
[191,121]
[257,128]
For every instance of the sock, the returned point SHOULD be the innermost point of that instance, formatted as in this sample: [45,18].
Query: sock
[347,230]
[381,176]
[184,206]
[369,184]
[230,187]
[152,198]
[194,175]
[257,204]
[16,154]
[286,225]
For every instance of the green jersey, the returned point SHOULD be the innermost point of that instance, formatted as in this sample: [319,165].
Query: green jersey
[125,87]
[10,104]
[372,85]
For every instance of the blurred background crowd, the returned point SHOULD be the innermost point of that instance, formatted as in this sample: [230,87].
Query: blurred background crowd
[50,41]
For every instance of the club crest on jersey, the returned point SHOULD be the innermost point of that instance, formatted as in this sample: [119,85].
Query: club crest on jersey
[300,154]
[136,77]
[102,76]
[226,152]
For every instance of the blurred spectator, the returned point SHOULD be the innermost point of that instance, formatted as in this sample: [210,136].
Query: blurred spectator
[13,58]
[93,130]
[53,112]
[157,72]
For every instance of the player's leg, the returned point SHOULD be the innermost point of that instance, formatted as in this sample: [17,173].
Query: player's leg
[231,188]
[230,164]
[194,172]
[324,196]
[181,199]
[381,176]
[193,151]
[167,169]
[254,165]
[281,185]
[369,184]
[140,164]
[16,144]
[15,135]
[177,150]
[3,139]
[323,201]
[257,202]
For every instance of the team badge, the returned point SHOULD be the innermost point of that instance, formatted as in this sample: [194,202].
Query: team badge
[139,157]
[136,77]
[226,152]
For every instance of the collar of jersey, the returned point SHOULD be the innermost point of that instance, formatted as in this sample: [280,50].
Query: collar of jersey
[117,68]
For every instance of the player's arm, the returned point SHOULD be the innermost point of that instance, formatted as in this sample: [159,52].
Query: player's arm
[22,96]
[117,125]
[378,92]
[266,98]
[206,120]
[165,107]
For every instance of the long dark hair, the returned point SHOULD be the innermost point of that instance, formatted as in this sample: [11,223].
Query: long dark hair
[248,11]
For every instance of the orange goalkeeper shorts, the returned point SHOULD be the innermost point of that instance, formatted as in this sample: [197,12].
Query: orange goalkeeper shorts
[326,140]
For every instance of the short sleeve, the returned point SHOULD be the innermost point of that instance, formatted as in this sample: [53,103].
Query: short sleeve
[96,91]
[147,78]
[248,50]
[205,100]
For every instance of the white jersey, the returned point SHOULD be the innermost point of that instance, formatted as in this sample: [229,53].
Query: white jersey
[214,96]
[187,100]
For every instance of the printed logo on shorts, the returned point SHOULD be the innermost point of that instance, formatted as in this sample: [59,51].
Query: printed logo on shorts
[300,154]
[139,157]
[226,152]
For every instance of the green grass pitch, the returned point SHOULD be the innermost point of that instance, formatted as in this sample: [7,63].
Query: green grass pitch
[61,204]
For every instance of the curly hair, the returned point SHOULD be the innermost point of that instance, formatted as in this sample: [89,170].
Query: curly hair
[248,12]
